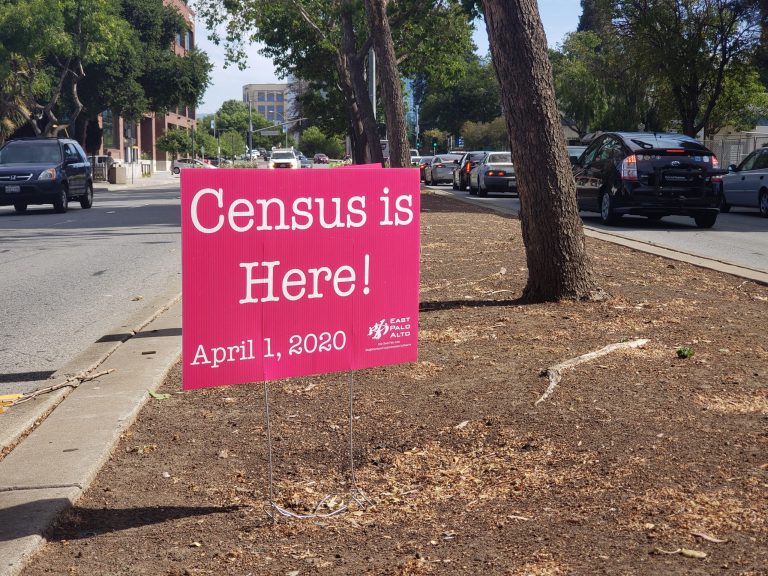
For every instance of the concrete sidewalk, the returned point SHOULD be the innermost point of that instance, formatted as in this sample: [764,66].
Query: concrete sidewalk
[136,180]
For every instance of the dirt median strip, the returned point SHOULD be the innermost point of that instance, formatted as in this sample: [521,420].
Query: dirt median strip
[638,451]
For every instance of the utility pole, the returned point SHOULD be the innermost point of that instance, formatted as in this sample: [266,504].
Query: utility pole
[416,127]
[250,128]
[372,79]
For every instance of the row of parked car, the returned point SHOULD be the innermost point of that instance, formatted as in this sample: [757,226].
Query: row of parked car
[618,173]
[480,171]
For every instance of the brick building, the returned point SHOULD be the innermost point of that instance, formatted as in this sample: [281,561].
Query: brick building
[130,142]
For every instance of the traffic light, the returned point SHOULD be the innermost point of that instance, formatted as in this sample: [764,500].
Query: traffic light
[418,144]
[434,142]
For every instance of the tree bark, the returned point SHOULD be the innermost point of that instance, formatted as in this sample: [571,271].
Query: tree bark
[359,85]
[558,265]
[378,25]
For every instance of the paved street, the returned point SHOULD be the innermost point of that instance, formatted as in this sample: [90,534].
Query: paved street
[69,279]
[737,238]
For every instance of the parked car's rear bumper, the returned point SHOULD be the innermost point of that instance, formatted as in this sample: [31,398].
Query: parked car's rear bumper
[652,201]
[500,183]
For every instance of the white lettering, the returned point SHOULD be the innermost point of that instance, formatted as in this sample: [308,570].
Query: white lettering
[219,194]
[269,281]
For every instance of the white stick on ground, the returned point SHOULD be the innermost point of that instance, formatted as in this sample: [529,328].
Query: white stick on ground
[555,372]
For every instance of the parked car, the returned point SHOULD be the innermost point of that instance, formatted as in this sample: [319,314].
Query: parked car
[180,163]
[649,174]
[495,172]
[747,184]
[464,167]
[44,171]
[440,168]
[304,162]
[423,163]
[574,152]
[320,158]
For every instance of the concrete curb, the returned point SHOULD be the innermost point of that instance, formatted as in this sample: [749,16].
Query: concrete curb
[47,472]
[19,420]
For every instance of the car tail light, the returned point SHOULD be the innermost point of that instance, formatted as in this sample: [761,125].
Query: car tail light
[716,166]
[495,173]
[629,168]
[469,167]
[439,165]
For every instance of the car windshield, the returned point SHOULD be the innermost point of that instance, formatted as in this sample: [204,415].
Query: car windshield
[283,156]
[499,158]
[648,141]
[31,153]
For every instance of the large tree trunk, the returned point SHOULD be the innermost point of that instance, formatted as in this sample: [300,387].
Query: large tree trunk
[378,25]
[558,266]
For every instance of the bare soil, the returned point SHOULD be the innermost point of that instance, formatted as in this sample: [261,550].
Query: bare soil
[640,462]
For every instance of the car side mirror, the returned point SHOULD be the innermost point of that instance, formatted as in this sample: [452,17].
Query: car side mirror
[733,168]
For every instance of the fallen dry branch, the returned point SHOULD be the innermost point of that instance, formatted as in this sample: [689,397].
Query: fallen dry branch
[72,381]
[555,372]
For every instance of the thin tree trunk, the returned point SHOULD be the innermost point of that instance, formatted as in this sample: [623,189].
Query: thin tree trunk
[360,87]
[378,25]
[558,266]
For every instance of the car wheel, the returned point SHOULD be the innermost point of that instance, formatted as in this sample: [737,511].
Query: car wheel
[764,203]
[608,208]
[60,204]
[724,206]
[20,207]
[176,170]
[428,179]
[705,220]
[481,189]
[86,200]
[472,189]
[455,186]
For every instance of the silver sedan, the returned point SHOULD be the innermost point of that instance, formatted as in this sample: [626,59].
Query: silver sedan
[495,173]
[440,169]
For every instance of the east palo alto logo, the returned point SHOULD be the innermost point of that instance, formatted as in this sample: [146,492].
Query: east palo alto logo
[387,333]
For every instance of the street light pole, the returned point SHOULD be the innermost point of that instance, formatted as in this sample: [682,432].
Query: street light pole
[250,129]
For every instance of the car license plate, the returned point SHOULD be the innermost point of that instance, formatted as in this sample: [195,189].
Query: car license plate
[511,184]
[11,188]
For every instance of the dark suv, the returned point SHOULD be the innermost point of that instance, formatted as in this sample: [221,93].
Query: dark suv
[649,174]
[44,171]
[465,164]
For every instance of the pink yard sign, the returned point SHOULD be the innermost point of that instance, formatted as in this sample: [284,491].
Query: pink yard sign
[297,272]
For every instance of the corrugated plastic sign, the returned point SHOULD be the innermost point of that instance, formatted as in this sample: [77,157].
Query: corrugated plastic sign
[297,272]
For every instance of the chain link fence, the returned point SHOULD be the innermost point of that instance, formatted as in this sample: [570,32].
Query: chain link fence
[733,149]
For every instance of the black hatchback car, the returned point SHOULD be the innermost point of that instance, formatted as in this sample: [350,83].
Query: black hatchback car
[44,171]
[649,174]
[464,166]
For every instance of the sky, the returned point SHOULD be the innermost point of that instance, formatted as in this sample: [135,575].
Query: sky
[558,16]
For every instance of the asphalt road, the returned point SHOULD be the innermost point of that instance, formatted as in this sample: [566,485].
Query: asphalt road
[69,279]
[738,237]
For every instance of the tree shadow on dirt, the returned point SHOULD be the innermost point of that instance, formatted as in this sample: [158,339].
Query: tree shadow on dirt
[436,305]
[78,523]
